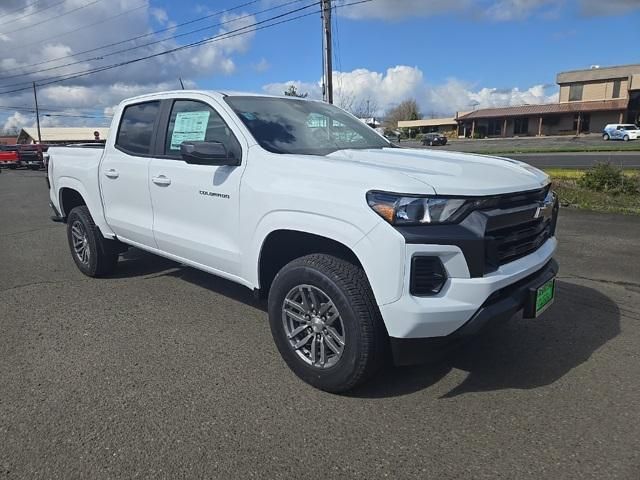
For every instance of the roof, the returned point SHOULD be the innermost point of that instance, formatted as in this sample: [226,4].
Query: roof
[61,134]
[547,108]
[599,73]
[427,122]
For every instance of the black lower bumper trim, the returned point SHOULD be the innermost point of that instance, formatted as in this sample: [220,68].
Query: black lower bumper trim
[500,306]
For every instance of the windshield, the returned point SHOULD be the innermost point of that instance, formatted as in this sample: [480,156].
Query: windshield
[630,127]
[282,125]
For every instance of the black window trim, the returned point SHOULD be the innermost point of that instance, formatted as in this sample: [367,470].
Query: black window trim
[165,117]
[154,133]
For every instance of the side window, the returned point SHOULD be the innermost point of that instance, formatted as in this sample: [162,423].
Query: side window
[191,120]
[136,127]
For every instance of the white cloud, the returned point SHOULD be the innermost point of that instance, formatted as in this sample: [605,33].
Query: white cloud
[16,121]
[492,10]
[385,89]
[98,93]
[609,7]
[262,66]
[397,9]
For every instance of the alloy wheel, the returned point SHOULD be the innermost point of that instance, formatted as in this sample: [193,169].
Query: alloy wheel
[313,326]
[80,242]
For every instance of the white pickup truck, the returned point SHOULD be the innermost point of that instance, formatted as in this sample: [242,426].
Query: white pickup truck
[363,249]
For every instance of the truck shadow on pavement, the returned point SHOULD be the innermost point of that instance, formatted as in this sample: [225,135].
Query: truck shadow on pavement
[516,354]
[519,353]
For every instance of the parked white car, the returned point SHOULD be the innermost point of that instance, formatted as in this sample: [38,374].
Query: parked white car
[361,247]
[621,131]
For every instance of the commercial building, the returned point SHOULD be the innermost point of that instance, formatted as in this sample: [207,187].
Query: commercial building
[589,100]
[62,135]
[447,126]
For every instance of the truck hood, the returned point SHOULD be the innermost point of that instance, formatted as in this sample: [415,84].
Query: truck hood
[451,173]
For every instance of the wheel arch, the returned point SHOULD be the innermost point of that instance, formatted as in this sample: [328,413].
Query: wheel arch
[72,193]
[281,246]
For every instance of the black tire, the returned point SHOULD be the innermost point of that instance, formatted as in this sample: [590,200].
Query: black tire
[102,256]
[625,138]
[12,167]
[365,336]
[605,137]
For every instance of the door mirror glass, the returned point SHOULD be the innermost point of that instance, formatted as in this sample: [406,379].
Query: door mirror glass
[206,153]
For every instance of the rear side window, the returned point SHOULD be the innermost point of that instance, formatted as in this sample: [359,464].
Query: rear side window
[191,120]
[136,127]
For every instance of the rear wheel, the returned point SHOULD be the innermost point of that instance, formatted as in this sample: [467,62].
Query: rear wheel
[605,137]
[325,322]
[93,254]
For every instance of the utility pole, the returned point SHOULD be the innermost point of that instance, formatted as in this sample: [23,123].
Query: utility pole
[35,97]
[328,63]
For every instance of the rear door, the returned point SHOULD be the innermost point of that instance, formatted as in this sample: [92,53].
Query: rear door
[124,174]
[196,207]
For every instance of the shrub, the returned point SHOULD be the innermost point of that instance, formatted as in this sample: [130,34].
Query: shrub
[604,177]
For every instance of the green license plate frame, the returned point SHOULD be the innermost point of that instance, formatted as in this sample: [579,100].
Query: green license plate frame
[540,298]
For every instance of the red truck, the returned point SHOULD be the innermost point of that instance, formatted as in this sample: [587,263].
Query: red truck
[28,156]
[9,156]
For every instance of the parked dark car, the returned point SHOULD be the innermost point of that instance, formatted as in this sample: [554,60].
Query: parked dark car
[432,139]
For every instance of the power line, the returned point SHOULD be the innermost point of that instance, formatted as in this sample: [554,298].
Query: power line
[21,8]
[52,18]
[125,50]
[131,39]
[104,20]
[208,40]
[32,13]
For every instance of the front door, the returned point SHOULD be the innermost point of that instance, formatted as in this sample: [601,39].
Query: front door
[196,207]
[124,175]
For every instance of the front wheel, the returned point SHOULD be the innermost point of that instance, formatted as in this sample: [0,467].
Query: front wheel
[625,138]
[93,254]
[605,137]
[325,322]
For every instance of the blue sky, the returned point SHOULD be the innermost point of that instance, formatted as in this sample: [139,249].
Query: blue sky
[480,51]
[447,54]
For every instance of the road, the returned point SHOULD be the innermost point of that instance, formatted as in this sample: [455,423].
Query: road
[164,372]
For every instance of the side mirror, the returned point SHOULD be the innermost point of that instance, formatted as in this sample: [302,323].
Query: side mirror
[206,153]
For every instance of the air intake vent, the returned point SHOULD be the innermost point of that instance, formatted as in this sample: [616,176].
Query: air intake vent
[427,276]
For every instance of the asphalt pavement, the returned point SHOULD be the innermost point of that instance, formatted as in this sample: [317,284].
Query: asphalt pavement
[161,371]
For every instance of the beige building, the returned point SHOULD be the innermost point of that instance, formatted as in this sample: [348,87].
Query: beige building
[447,126]
[63,135]
[589,100]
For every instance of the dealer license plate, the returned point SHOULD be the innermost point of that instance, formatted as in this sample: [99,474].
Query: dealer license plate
[545,296]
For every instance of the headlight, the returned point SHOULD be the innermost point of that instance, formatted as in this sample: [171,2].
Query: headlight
[418,210]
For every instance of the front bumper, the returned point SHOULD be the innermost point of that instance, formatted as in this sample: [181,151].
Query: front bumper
[500,306]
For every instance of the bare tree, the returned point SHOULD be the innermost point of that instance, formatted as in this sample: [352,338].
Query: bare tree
[405,110]
[366,108]
[292,91]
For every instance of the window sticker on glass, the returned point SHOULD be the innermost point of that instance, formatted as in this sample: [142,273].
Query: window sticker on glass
[189,126]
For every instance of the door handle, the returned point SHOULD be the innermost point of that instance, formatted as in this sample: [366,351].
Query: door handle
[161,180]
[112,173]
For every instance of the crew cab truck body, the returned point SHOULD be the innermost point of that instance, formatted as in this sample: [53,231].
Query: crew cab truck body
[358,245]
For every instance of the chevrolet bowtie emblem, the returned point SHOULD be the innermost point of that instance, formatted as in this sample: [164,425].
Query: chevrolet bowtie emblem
[544,211]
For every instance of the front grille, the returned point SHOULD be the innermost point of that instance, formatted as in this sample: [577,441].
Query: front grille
[512,231]
[516,241]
